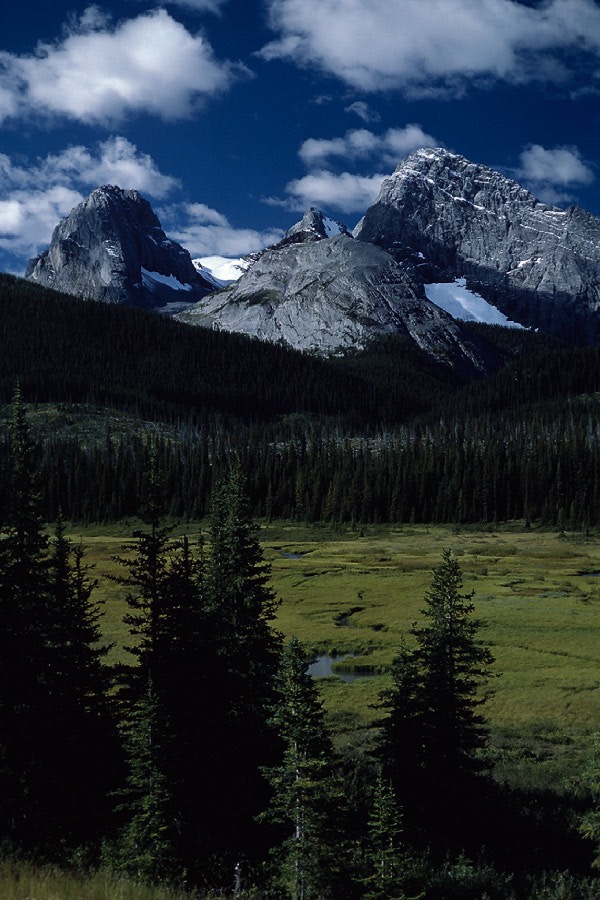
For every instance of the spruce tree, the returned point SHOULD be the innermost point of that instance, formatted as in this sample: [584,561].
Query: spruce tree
[302,785]
[54,723]
[433,739]
[242,607]
[149,845]
[386,854]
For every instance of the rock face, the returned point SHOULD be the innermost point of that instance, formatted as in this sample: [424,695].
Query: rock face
[444,217]
[329,295]
[112,248]
[314,226]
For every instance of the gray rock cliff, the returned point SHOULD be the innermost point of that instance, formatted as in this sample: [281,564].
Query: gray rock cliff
[112,248]
[330,295]
[444,217]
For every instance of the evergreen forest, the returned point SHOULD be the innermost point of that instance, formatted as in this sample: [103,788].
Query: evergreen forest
[203,764]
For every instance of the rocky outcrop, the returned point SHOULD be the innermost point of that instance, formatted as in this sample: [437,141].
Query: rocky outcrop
[112,248]
[314,226]
[444,217]
[331,295]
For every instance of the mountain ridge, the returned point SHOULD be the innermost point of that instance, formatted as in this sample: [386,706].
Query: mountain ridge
[439,219]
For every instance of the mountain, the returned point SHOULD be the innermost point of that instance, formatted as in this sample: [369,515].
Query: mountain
[446,239]
[326,295]
[111,247]
[445,218]
[314,226]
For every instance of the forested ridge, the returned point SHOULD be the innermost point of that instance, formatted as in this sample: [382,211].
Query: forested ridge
[206,756]
[377,436]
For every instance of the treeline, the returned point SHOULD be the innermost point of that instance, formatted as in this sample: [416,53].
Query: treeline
[378,436]
[542,464]
[205,761]
[63,349]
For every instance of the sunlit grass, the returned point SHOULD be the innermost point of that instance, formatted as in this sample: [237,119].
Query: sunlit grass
[540,614]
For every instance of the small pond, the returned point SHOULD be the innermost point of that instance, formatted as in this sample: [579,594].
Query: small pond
[322,667]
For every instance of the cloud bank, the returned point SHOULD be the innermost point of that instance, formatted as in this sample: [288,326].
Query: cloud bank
[206,232]
[99,73]
[33,199]
[375,45]
[349,191]
[553,174]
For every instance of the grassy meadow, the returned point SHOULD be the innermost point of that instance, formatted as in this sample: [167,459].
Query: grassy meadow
[20,881]
[537,594]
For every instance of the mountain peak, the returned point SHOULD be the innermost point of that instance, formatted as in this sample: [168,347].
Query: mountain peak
[112,247]
[445,218]
[314,226]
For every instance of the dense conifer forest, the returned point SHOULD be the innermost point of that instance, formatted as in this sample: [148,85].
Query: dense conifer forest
[379,436]
[206,757]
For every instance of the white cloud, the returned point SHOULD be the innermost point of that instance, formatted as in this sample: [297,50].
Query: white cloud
[33,199]
[345,192]
[377,45]
[28,217]
[554,174]
[561,166]
[206,232]
[359,143]
[97,74]
[363,111]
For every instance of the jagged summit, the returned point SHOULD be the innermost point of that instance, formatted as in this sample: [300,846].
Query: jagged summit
[445,217]
[112,247]
[314,226]
[329,296]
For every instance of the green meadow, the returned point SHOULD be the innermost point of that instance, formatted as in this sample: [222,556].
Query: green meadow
[356,593]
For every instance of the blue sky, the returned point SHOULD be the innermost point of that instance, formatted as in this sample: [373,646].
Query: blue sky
[234,116]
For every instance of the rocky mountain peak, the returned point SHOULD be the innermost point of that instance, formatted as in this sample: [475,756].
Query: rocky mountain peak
[314,226]
[444,217]
[112,247]
[330,296]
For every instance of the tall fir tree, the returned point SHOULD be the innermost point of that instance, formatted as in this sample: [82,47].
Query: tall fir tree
[54,723]
[387,857]
[242,607]
[303,787]
[433,739]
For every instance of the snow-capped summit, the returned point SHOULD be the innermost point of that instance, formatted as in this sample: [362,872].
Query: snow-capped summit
[314,226]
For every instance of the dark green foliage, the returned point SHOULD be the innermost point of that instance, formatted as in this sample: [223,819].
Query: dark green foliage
[433,739]
[590,824]
[56,735]
[377,436]
[150,842]
[303,787]
[245,656]
[386,854]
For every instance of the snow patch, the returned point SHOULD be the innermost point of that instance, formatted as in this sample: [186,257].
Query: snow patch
[456,299]
[152,279]
[221,270]
[331,227]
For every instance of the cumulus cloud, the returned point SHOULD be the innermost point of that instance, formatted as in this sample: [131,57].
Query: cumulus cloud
[376,45]
[34,198]
[206,232]
[345,192]
[554,174]
[359,143]
[349,191]
[99,73]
